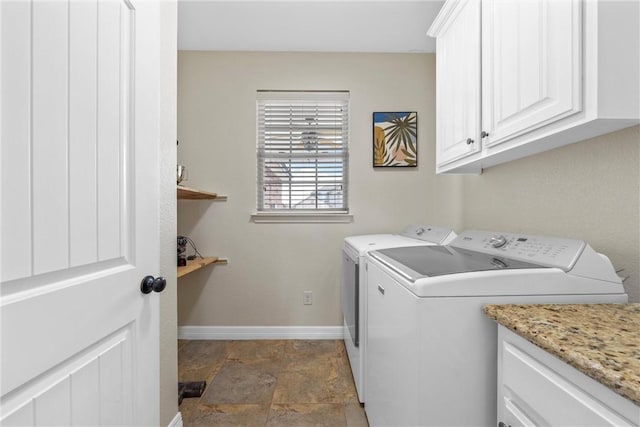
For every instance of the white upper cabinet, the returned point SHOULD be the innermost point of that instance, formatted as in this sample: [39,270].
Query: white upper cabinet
[459,87]
[550,73]
[532,70]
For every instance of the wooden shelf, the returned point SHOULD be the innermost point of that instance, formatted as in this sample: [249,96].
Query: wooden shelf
[195,389]
[186,193]
[196,264]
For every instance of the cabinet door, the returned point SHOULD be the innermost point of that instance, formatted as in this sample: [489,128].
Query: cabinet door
[458,84]
[535,388]
[531,65]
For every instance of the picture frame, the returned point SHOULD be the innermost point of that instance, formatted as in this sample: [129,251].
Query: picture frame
[395,139]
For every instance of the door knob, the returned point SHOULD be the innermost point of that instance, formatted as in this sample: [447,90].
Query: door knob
[469,141]
[155,284]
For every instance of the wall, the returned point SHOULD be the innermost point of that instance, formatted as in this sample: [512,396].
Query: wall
[270,265]
[589,190]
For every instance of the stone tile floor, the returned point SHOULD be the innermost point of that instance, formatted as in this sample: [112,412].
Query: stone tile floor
[269,383]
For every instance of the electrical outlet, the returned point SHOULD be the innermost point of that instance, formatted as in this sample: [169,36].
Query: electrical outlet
[307,297]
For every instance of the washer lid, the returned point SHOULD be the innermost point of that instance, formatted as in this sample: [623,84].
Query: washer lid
[365,243]
[412,235]
[418,262]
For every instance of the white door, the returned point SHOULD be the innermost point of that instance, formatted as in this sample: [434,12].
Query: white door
[532,69]
[79,213]
[458,84]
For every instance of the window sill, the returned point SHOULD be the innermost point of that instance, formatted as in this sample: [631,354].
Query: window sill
[301,218]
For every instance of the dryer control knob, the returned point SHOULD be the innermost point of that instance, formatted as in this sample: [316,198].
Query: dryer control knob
[498,241]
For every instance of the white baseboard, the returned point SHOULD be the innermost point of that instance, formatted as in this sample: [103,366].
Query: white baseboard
[176,421]
[260,332]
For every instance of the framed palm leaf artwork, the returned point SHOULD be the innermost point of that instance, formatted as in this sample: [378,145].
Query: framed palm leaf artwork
[395,139]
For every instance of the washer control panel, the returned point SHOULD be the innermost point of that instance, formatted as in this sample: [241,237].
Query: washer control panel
[548,251]
[498,241]
[427,233]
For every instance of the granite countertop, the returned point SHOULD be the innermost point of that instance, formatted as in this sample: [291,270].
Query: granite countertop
[600,340]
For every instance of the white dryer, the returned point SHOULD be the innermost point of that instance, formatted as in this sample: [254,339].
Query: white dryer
[431,353]
[354,290]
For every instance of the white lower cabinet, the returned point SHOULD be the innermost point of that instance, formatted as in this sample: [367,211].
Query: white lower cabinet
[516,78]
[537,389]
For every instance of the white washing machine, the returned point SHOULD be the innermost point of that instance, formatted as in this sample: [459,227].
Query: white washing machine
[354,280]
[431,352]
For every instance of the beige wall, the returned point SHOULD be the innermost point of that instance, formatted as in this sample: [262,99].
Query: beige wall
[588,190]
[270,265]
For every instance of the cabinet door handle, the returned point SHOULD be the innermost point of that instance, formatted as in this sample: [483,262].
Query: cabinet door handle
[381,289]
[501,424]
[469,141]
[484,134]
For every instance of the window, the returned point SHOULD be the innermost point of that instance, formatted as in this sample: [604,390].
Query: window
[302,153]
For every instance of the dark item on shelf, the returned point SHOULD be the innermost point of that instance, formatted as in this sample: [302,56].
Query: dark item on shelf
[182,249]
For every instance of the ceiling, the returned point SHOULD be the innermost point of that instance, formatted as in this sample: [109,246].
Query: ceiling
[307,25]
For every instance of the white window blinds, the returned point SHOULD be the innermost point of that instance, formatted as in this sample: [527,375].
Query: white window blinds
[303,151]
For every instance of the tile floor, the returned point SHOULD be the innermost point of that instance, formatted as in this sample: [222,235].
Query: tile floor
[269,383]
